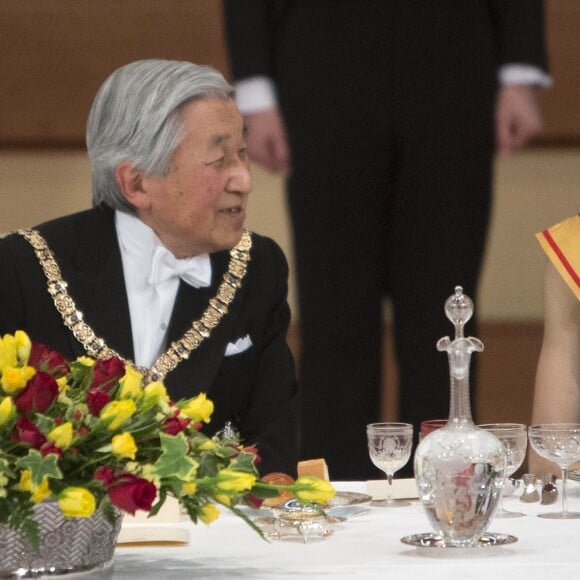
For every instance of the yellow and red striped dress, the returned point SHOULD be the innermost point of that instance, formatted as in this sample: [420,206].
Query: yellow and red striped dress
[561,242]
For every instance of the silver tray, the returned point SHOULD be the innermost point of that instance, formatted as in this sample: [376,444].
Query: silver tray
[431,540]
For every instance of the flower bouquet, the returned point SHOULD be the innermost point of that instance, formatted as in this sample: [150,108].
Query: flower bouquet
[92,437]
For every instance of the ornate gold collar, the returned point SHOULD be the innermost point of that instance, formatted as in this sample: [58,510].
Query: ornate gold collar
[179,350]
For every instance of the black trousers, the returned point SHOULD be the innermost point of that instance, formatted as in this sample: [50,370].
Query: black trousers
[390,123]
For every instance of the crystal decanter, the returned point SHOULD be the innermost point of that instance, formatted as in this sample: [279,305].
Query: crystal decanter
[459,469]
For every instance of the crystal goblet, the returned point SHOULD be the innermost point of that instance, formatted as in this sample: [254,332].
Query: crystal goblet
[389,449]
[514,438]
[560,443]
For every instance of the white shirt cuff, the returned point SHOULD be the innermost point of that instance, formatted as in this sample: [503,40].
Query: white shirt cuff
[523,74]
[255,94]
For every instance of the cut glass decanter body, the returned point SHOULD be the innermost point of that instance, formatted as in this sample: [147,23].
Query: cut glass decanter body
[459,469]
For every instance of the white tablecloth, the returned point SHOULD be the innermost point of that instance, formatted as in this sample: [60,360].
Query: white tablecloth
[366,546]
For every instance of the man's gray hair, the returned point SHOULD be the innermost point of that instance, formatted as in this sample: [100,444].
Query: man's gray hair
[135,117]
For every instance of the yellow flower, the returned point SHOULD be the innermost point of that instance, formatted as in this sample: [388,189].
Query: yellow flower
[62,436]
[199,408]
[14,379]
[156,392]
[63,386]
[86,360]
[38,493]
[222,498]
[76,502]
[8,355]
[230,480]
[189,488]
[23,346]
[41,492]
[25,483]
[208,513]
[7,410]
[130,384]
[309,488]
[119,412]
[207,445]
[124,445]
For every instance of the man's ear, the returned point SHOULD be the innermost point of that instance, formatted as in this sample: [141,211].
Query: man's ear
[130,181]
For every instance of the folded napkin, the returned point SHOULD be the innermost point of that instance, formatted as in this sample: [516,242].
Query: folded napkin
[402,489]
[162,529]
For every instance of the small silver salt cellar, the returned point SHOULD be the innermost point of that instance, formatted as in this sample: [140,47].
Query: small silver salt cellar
[530,494]
[549,489]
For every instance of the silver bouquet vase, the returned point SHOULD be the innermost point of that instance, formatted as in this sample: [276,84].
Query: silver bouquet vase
[73,547]
[459,469]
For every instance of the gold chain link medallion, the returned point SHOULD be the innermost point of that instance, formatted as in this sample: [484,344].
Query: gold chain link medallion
[179,350]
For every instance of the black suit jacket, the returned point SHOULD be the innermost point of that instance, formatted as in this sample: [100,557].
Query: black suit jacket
[262,35]
[254,389]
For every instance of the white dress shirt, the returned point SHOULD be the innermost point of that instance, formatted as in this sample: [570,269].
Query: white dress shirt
[151,288]
[256,94]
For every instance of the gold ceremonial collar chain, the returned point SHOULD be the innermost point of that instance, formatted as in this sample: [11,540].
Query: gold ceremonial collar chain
[179,350]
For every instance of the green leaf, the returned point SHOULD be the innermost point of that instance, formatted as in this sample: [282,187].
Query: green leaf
[174,460]
[40,467]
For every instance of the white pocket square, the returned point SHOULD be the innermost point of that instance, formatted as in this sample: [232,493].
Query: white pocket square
[239,345]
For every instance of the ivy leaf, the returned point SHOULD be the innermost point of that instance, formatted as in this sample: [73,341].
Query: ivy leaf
[40,467]
[174,460]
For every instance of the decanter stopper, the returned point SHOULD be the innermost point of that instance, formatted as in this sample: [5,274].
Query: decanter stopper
[458,309]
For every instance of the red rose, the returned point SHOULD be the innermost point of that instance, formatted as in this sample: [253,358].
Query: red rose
[105,475]
[131,493]
[96,400]
[50,447]
[173,426]
[27,432]
[38,394]
[106,373]
[44,358]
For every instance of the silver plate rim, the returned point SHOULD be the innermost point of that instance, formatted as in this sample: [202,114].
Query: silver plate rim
[487,540]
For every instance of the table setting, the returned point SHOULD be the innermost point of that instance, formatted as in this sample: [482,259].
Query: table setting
[462,516]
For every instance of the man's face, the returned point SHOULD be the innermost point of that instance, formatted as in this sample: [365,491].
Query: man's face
[200,205]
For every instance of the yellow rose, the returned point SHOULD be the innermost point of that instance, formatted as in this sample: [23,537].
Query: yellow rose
[199,408]
[130,384]
[14,379]
[208,513]
[7,410]
[86,361]
[63,386]
[309,488]
[156,392]
[123,445]
[76,502]
[230,480]
[119,412]
[189,488]
[25,483]
[222,498]
[8,354]
[40,492]
[23,346]
[62,436]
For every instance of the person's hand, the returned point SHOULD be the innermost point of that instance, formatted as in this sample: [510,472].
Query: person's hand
[267,142]
[517,117]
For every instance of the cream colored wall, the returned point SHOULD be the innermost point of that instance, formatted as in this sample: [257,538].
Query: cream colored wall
[533,190]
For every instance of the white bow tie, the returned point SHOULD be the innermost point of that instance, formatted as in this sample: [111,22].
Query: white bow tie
[194,271]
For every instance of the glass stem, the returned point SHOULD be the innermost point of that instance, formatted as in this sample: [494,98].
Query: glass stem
[564,490]
[389,487]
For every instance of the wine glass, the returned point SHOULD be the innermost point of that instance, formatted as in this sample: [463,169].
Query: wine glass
[560,443]
[514,438]
[389,449]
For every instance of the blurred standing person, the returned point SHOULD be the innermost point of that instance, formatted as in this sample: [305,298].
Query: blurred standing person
[383,117]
